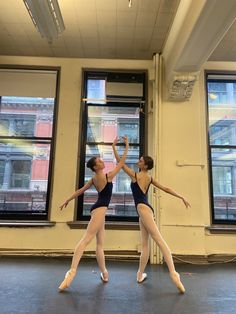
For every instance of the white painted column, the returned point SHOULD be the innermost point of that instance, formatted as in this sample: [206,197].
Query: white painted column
[155,257]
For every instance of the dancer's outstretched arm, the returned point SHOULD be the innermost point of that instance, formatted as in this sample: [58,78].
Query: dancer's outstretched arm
[128,170]
[169,191]
[121,161]
[77,193]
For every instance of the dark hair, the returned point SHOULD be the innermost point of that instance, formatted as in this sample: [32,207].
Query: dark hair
[91,163]
[148,162]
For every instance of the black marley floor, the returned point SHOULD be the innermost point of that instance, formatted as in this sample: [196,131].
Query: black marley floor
[29,285]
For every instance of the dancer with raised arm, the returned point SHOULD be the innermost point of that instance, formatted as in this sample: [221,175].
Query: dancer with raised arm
[103,184]
[140,183]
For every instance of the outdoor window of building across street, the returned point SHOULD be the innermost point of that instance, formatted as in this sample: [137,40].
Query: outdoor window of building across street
[111,107]
[221,90]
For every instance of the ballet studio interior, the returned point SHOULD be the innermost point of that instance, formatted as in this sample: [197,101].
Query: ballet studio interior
[117,156]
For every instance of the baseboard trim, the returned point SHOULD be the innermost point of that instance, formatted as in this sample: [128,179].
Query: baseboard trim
[204,259]
[110,254]
[121,255]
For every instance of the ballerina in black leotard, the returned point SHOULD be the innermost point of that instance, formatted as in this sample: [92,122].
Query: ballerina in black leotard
[103,184]
[139,186]
[139,196]
[104,196]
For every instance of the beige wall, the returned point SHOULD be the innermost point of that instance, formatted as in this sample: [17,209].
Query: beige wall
[61,237]
[182,137]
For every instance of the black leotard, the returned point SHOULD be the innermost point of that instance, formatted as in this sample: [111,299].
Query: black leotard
[138,195]
[104,196]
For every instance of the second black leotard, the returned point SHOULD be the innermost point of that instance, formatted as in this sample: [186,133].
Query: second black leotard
[138,195]
[104,196]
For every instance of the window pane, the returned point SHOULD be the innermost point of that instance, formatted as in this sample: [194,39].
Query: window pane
[122,200]
[4,126]
[222,132]
[23,175]
[130,128]
[96,92]
[105,123]
[224,183]
[123,181]
[217,93]
[222,117]
[94,129]
[26,128]
[26,116]
[2,170]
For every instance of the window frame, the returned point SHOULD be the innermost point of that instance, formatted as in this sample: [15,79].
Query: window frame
[44,215]
[79,216]
[210,146]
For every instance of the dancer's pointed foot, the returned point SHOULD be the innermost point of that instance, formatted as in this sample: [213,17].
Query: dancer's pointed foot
[176,280]
[141,277]
[68,279]
[104,276]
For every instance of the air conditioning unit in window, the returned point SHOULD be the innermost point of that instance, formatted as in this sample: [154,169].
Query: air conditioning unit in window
[117,89]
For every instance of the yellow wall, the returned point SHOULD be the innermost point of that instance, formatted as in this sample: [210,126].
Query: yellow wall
[61,237]
[182,137]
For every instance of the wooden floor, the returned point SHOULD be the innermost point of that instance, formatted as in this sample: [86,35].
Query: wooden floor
[29,285]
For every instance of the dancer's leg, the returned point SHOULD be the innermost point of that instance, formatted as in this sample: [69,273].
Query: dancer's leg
[100,253]
[144,252]
[147,219]
[96,222]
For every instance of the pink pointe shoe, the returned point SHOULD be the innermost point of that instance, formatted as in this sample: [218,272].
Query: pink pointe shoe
[68,279]
[176,280]
[143,277]
[104,276]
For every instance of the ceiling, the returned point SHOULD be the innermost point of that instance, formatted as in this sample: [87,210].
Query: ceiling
[99,29]
[226,50]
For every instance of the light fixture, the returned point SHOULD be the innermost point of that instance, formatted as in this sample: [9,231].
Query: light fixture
[212,96]
[46,16]
[130,3]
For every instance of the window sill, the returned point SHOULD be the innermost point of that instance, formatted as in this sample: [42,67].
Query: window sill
[108,225]
[222,229]
[26,223]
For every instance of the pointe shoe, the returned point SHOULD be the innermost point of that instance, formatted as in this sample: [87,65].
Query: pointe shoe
[68,279]
[105,280]
[144,277]
[176,280]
